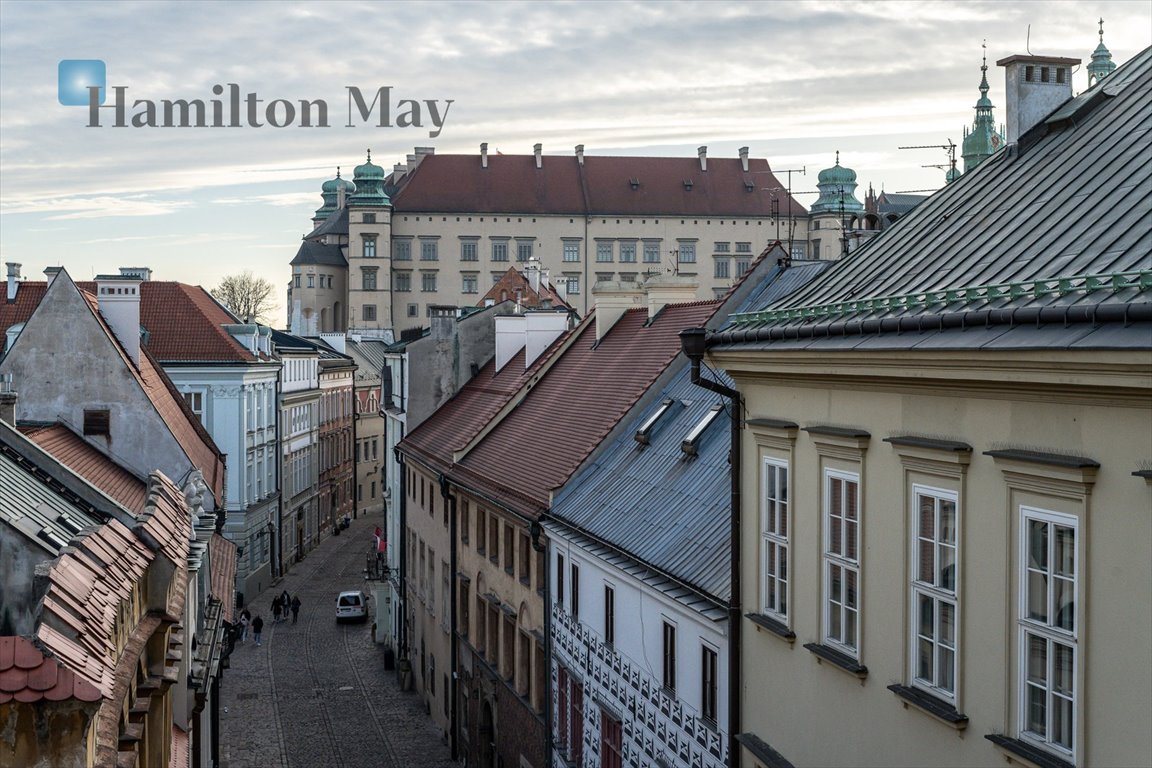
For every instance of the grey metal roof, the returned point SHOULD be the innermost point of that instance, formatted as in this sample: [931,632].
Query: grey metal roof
[895,202]
[665,509]
[780,283]
[335,224]
[1058,221]
[313,252]
[369,356]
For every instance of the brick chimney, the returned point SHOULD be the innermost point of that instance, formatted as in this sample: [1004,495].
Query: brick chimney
[13,277]
[538,151]
[703,153]
[119,300]
[612,300]
[1034,87]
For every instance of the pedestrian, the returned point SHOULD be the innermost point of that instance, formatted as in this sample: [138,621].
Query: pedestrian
[245,620]
[295,608]
[277,607]
[285,602]
[257,628]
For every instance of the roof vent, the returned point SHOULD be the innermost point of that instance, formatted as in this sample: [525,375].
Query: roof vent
[645,432]
[749,186]
[693,438]
[634,182]
[688,184]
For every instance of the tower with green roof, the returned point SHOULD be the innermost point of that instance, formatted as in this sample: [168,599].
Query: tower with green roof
[1102,63]
[983,140]
[833,211]
[369,311]
[330,193]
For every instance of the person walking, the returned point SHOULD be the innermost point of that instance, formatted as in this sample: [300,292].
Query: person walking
[295,608]
[277,608]
[245,620]
[285,601]
[257,628]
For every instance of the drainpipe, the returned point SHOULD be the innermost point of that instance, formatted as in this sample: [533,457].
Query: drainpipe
[542,546]
[693,342]
[401,563]
[276,531]
[453,716]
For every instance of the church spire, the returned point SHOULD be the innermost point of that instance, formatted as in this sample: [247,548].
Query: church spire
[983,139]
[1102,64]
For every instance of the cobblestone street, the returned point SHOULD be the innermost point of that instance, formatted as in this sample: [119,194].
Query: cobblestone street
[316,693]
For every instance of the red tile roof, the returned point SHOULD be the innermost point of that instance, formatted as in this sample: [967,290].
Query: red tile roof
[602,186]
[579,397]
[513,280]
[27,676]
[80,456]
[222,581]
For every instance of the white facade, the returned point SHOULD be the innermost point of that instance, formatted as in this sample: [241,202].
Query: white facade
[620,669]
[300,471]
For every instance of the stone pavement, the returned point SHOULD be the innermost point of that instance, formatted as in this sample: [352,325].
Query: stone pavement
[316,693]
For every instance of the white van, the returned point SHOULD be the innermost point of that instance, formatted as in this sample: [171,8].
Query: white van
[352,605]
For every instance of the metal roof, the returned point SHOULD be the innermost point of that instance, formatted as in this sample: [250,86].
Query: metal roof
[1058,221]
[368,355]
[315,252]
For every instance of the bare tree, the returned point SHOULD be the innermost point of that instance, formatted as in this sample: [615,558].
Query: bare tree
[249,297]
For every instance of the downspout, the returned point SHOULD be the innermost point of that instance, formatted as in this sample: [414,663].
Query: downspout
[542,546]
[401,564]
[276,532]
[453,716]
[693,343]
[356,498]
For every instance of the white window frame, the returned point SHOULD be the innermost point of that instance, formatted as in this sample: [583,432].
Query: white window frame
[1047,632]
[938,593]
[846,564]
[774,540]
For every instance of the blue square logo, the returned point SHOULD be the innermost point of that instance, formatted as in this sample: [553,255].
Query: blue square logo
[76,77]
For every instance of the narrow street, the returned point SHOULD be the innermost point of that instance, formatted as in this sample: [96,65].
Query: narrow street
[316,693]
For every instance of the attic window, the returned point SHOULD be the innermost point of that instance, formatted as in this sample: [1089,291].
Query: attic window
[50,536]
[749,186]
[96,422]
[693,437]
[70,524]
[645,430]
[688,184]
[634,183]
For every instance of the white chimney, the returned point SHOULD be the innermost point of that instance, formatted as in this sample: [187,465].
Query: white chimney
[7,400]
[744,158]
[537,149]
[703,153]
[1034,86]
[483,154]
[143,273]
[50,274]
[119,301]
[580,154]
[340,194]
[541,329]
[399,170]
[668,289]
[611,301]
[511,335]
[532,272]
[13,276]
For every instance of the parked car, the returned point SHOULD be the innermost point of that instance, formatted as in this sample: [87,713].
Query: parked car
[352,606]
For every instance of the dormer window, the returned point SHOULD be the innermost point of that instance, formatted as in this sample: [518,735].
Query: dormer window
[49,536]
[644,433]
[693,438]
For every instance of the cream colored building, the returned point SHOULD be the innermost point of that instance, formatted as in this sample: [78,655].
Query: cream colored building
[948,468]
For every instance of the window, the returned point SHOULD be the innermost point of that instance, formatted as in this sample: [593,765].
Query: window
[670,656]
[628,252]
[575,588]
[465,508]
[509,661]
[742,266]
[525,558]
[465,606]
[509,549]
[604,251]
[413,310]
[311,281]
[402,281]
[296,280]
[708,683]
[481,529]
[686,252]
[523,250]
[841,560]
[721,270]
[524,664]
[97,421]
[368,276]
[560,580]
[609,614]
[499,250]
[369,312]
[611,741]
[1048,628]
[429,249]
[428,282]
[774,540]
[195,402]
[481,630]
[562,707]
[369,218]
[402,250]
[798,251]
[493,539]
[369,247]
[576,724]
[572,284]
[934,591]
[468,250]
[720,247]
[470,283]
[651,251]
[743,247]
[571,250]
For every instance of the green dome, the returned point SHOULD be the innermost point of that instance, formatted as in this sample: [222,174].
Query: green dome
[983,139]
[837,174]
[837,187]
[368,170]
[1102,64]
[369,181]
[332,186]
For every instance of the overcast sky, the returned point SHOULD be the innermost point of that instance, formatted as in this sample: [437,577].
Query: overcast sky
[795,81]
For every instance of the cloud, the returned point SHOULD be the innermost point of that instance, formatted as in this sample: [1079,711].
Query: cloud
[96,207]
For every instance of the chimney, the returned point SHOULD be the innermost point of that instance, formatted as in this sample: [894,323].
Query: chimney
[668,289]
[511,335]
[532,272]
[744,158]
[399,170]
[537,149]
[580,154]
[13,276]
[703,153]
[340,194]
[483,154]
[7,400]
[1034,86]
[119,301]
[442,320]
[50,273]
[144,274]
[541,329]
[612,300]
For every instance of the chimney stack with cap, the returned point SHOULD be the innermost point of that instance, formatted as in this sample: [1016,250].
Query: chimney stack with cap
[13,277]
[580,154]
[703,152]
[7,400]
[119,299]
[483,154]
[1034,86]
[744,158]
[538,149]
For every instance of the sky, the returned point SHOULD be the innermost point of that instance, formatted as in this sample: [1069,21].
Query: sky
[794,81]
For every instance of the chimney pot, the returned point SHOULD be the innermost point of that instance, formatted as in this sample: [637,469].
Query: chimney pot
[580,154]
[703,153]
[483,154]
[537,150]
[744,158]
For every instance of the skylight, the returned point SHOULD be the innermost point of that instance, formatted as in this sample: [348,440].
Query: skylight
[645,430]
[693,437]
